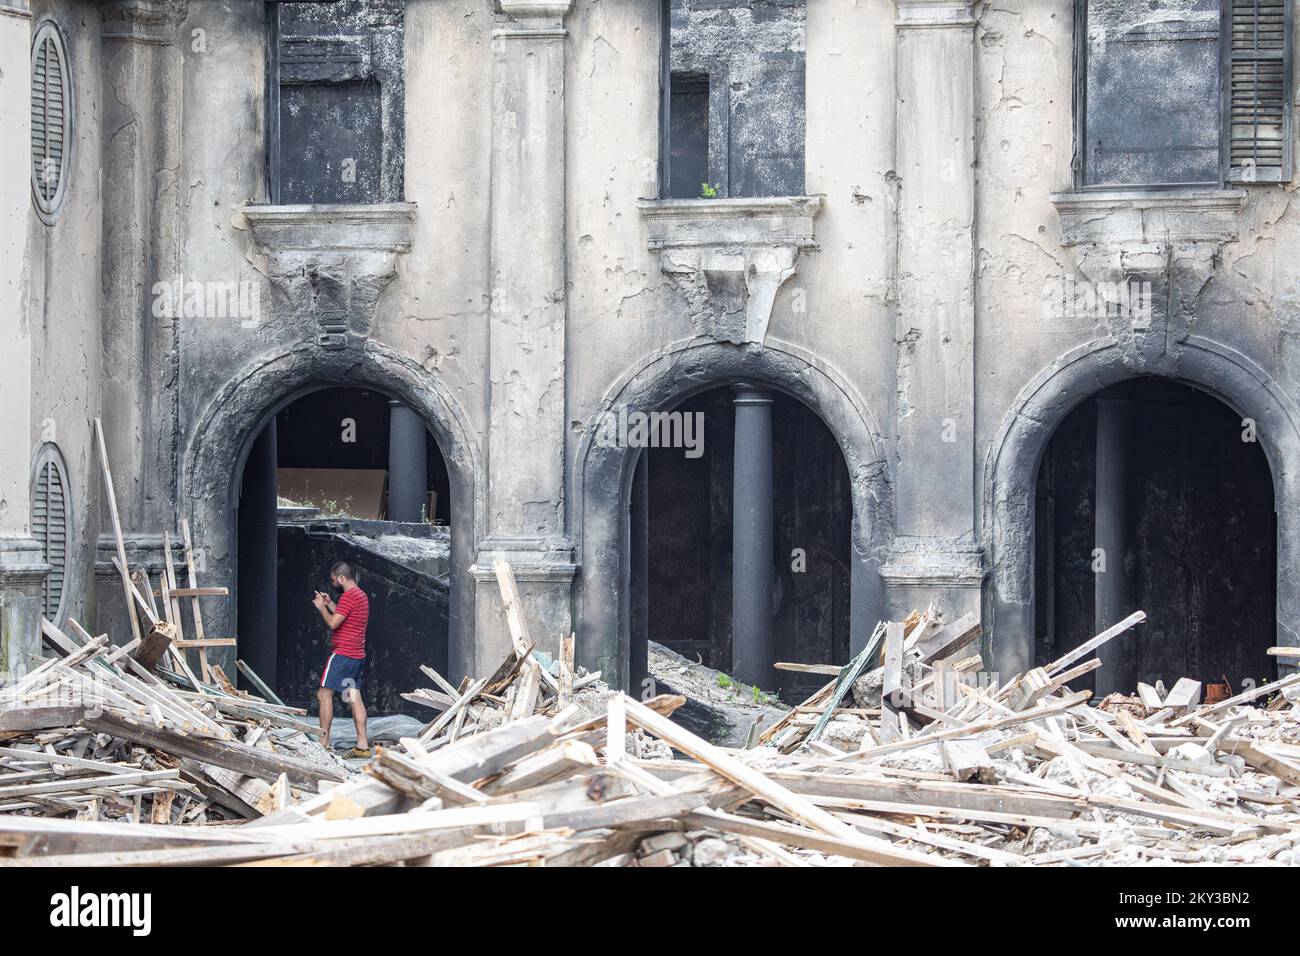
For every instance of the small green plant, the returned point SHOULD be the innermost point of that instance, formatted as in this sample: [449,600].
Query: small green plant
[758,695]
[709,190]
[724,681]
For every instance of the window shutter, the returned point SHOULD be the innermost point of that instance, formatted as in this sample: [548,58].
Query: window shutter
[50,119]
[50,528]
[1257,95]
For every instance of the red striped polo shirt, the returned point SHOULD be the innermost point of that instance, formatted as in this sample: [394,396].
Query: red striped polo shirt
[349,638]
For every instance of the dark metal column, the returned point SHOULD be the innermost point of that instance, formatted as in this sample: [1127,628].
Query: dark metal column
[259,559]
[752,535]
[1114,531]
[638,668]
[408,480]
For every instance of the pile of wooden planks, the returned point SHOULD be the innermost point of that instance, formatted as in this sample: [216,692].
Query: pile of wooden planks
[907,757]
[96,734]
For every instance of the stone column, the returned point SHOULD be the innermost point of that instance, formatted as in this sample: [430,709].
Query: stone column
[1113,515]
[142,66]
[258,591]
[752,539]
[936,556]
[22,562]
[525,488]
[408,464]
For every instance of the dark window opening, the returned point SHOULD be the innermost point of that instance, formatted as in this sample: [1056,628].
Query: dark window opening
[736,71]
[1183,92]
[337,131]
[689,136]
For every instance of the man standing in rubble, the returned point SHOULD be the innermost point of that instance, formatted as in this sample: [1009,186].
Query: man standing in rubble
[346,620]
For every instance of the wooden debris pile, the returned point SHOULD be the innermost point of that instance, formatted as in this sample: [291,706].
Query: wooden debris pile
[945,773]
[96,734]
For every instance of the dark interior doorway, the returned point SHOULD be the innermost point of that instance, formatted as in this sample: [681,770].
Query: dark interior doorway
[682,546]
[344,474]
[1192,514]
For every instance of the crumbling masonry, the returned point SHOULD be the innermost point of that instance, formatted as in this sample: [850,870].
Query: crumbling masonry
[939,225]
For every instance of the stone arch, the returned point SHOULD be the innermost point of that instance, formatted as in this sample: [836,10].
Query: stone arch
[222,437]
[1021,441]
[601,483]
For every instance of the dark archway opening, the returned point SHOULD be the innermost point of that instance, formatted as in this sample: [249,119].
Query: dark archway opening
[1154,495]
[344,474]
[684,571]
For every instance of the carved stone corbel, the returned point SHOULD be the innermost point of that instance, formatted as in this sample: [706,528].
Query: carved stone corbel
[1147,257]
[331,263]
[730,257]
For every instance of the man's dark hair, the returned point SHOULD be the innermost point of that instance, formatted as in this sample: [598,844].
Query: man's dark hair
[343,570]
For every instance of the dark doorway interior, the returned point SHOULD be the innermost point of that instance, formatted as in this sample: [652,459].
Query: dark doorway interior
[1198,528]
[322,483]
[688,603]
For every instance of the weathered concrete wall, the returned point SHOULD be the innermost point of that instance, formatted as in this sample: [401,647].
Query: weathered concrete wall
[418,305]
[65,302]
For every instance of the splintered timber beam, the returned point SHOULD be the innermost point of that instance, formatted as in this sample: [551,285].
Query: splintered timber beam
[111,497]
[768,790]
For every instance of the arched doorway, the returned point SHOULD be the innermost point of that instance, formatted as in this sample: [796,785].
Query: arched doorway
[347,474]
[744,550]
[606,600]
[1018,448]
[1155,495]
[222,438]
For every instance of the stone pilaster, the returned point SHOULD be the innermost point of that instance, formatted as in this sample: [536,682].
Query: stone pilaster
[936,557]
[525,496]
[142,64]
[22,563]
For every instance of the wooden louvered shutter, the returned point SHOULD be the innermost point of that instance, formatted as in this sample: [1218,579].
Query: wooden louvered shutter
[1257,41]
[51,108]
[50,528]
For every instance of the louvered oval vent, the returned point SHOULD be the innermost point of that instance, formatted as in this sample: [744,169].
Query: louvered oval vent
[50,528]
[1258,93]
[51,119]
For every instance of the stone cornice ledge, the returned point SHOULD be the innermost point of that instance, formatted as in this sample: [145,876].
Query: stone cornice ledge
[694,223]
[730,257]
[538,19]
[382,227]
[934,13]
[1139,215]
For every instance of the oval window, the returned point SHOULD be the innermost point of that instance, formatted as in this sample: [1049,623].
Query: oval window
[51,120]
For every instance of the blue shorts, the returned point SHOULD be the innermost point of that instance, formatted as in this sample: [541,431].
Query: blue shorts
[342,673]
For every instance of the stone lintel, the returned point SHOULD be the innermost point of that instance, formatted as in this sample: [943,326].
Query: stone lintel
[384,227]
[531,559]
[143,21]
[934,562]
[533,19]
[143,552]
[1121,216]
[931,14]
[22,561]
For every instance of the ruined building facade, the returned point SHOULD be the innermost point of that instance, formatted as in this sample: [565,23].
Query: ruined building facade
[986,306]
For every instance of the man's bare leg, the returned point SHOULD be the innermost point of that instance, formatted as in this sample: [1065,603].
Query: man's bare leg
[325,697]
[353,696]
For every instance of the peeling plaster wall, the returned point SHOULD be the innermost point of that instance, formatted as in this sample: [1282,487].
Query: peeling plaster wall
[64,310]
[832,331]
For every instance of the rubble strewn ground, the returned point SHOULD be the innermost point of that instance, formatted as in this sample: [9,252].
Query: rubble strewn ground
[905,763]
